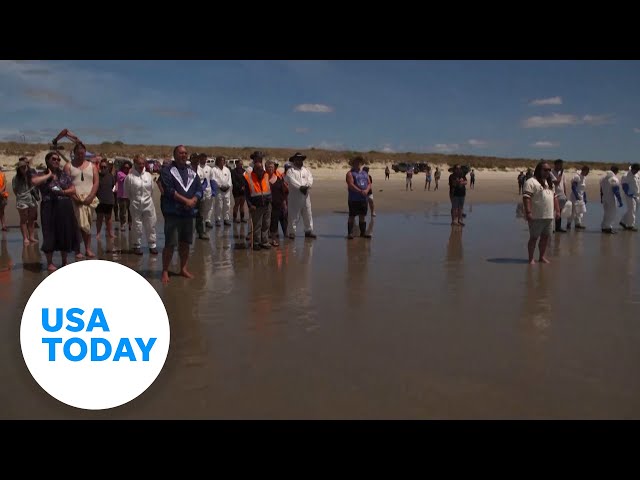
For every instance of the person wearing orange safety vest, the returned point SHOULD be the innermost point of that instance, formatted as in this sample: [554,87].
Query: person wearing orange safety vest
[258,194]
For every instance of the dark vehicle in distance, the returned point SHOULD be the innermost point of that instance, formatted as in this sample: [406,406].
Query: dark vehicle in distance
[417,167]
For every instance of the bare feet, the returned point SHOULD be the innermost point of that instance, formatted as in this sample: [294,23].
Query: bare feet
[543,260]
[33,240]
[532,262]
[90,254]
[165,277]
[461,223]
[79,256]
[26,242]
[454,223]
[185,273]
[110,235]
[52,267]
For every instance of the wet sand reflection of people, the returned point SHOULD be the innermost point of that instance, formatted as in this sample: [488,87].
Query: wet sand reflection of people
[537,311]
[358,254]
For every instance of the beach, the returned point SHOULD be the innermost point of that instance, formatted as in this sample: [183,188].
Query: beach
[423,321]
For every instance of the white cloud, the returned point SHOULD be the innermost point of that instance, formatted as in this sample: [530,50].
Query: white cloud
[546,101]
[302,130]
[446,147]
[637,130]
[561,120]
[553,120]
[597,119]
[387,148]
[324,145]
[313,107]
[545,144]
[477,143]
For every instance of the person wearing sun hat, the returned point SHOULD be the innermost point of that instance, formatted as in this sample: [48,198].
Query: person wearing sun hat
[300,181]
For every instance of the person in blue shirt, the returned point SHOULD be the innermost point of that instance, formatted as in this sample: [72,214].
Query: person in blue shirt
[358,187]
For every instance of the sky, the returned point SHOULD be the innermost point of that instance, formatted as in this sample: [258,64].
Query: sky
[576,110]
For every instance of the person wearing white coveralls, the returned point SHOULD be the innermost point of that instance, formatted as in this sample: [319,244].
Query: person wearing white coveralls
[578,198]
[609,193]
[300,181]
[222,176]
[138,186]
[205,173]
[631,188]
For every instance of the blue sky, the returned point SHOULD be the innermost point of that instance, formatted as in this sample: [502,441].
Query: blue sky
[576,110]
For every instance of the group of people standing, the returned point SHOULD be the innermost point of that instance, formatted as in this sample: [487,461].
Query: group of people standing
[546,199]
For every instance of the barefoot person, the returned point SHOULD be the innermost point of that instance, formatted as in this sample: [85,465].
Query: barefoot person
[540,208]
[86,180]
[25,201]
[106,198]
[181,190]
[59,225]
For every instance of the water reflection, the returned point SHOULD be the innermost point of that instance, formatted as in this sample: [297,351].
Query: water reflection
[537,312]
[358,253]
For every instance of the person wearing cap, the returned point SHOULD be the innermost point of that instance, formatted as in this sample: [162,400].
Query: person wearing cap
[299,180]
[238,191]
[609,193]
[358,186]
[181,190]
[258,193]
[138,186]
[222,176]
[25,201]
[631,188]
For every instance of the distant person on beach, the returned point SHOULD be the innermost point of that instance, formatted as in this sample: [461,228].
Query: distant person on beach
[427,180]
[436,178]
[358,187]
[521,179]
[631,188]
[578,198]
[409,184]
[472,178]
[457,193]
[205,172]
[387,172]
[201,231]
[540,208]
[557,177]
[609,193]
[123,201]
[370,194]
[181,191]
[258,193]
[300,181]
[239,185]
[528,175]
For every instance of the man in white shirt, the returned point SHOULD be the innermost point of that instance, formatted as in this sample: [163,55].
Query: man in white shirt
[222,176]
[609,193]
[557,177]
[631,188]
[205,173]
[300,181]
[540,208]
[578,198]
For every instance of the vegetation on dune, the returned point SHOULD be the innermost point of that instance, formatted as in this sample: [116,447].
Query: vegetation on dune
[315,157]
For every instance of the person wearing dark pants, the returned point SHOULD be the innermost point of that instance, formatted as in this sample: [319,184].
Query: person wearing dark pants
[358,186]
[258,195]
[279,193]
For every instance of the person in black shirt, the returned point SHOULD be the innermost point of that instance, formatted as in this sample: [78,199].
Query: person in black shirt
[457,192]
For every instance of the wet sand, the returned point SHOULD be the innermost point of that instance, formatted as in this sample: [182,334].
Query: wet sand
[423,321]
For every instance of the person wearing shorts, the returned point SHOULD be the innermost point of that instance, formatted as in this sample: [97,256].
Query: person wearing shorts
[106,198]
[541,206]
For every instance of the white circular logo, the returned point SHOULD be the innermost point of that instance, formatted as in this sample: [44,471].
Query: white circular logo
[94,334]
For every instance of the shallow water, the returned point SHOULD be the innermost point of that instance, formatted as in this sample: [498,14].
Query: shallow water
[422,321]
